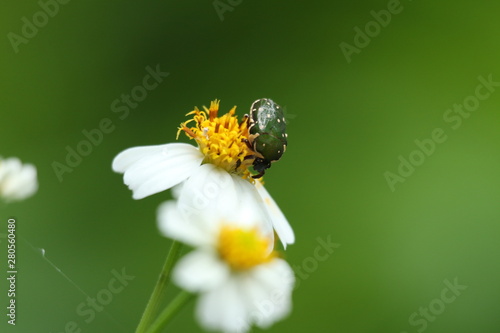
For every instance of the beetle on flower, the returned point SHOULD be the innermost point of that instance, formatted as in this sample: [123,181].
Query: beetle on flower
[268,137]
[219,163]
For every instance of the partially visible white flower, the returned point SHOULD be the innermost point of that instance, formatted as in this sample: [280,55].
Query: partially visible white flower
[17,181]
[240,279]
[204,173]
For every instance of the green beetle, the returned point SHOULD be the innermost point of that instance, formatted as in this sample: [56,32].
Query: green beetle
[267,129]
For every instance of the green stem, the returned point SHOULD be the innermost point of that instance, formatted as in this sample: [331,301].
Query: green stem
[156,296]
[170,311]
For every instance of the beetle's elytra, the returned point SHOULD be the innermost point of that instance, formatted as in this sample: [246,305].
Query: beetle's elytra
[268,138]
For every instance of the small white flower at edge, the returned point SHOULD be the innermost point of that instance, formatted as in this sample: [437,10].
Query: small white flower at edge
[17,181]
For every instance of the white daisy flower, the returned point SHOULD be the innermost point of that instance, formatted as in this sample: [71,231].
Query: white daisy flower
[204,172]
[240,280]
[17,181]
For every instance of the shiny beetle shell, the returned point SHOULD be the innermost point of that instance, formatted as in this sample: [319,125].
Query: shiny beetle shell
[267,128]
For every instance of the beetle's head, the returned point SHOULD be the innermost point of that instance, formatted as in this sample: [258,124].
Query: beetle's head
[260,165]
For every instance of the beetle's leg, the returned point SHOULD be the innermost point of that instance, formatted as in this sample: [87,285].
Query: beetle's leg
[247,143]
[249,157]
[260,175]
[246,158]
[244,119]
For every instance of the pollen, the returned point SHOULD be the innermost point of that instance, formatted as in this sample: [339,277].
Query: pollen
[243,249]
[221,139]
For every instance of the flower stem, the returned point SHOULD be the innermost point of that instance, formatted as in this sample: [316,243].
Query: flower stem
[156,297]
[170,311]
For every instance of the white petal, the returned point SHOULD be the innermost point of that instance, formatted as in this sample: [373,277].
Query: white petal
[266,291]
[217,196]
[200,270]
[172,224]
[177,190]
[128,157]
[159,160]
[7,166]
[271,292]
[250,211]
[209,192]
[280,223]
[152,169]
[223,309]
[251,207]
[261,297]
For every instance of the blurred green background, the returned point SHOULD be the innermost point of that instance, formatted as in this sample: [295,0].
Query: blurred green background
[348,124]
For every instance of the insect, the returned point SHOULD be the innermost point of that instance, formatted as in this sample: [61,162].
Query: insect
[268,138]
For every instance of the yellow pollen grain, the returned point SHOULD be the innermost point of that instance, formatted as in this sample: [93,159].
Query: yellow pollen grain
[243,249]
[220,139]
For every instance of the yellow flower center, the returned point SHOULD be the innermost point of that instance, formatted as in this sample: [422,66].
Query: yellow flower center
[243,249]
[220,139]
